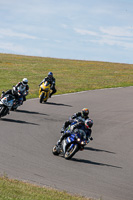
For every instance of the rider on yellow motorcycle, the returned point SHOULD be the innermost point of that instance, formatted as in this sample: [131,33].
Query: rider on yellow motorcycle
[51,80]
[44,91]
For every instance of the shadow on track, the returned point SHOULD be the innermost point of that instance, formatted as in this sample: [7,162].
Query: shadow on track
[30,112]
[18,121]
[93,163]
[57,104]
[92,149]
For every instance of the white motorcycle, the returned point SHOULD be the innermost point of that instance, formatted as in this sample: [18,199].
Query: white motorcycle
[6,104]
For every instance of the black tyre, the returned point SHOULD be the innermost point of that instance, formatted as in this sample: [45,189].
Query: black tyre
[55,150]
[3,111]
[41,97]
[70,152]
[46,98]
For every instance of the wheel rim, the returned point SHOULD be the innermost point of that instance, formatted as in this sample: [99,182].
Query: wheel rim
[70,151]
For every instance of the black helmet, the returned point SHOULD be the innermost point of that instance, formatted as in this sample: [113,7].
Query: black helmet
[88,123]
[84,112]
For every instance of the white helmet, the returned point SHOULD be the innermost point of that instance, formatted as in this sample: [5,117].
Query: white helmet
[25,81]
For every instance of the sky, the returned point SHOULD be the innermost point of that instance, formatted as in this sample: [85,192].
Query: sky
[93,30]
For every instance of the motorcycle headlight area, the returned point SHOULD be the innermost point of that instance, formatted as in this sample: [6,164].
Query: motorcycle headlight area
[78,139]
[83,142]
[5,102]
[46,90]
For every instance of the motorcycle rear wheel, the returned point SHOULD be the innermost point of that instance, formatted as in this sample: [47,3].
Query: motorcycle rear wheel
[55,150]
[70,152]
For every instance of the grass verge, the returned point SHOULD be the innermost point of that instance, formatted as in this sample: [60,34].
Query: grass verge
[17,190]
[71,75]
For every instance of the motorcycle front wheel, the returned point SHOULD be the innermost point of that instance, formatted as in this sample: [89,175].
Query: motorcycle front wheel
[71,150]
[3,111]
[41,97]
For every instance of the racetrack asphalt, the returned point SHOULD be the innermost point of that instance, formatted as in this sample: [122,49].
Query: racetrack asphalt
[103,170]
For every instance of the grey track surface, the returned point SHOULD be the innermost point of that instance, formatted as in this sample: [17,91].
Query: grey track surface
[103,170]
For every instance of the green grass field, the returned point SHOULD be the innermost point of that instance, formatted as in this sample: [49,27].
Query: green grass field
[17,190]
[71,76]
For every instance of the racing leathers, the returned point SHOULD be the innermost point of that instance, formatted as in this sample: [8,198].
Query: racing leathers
[19,88]
[78,116]
[79,127]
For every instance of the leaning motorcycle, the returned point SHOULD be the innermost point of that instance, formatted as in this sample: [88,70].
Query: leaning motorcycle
[70,146]
[44,91]
[6,104]
[19,101]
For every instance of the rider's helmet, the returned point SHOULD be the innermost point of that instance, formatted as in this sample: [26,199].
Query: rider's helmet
[88,123]
[50,75]
[85,112]
[25,81]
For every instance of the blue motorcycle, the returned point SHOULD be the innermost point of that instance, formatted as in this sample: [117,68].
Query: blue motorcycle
[70,146]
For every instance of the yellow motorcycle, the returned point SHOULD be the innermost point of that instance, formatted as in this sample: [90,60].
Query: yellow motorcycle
[44,91]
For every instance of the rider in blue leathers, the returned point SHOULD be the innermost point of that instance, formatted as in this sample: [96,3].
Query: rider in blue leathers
[84,128]
[80,116]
